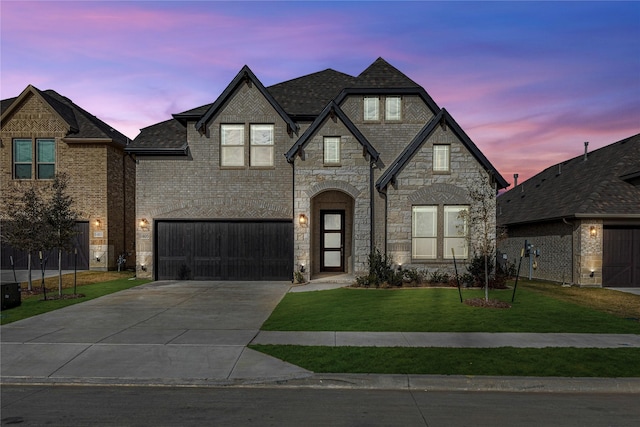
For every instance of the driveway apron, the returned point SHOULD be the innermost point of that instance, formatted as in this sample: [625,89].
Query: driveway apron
[166,331]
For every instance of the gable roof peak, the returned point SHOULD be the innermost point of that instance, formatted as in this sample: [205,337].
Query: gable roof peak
[381,74]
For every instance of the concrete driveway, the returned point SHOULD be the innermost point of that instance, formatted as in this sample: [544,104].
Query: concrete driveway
[166,331]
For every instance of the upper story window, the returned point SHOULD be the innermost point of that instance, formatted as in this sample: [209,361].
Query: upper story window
[441,158]
[22,158]
[45,150]
[371,108]
[231,145]
[261,145]
[393,108]
[46,158]
[331,150]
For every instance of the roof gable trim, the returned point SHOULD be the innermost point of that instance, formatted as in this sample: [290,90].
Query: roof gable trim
[332,110]
[244,76]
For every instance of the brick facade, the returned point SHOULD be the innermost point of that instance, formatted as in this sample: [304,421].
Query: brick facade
[101,177]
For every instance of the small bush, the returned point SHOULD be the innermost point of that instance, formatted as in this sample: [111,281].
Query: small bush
[437,277]
[381,272]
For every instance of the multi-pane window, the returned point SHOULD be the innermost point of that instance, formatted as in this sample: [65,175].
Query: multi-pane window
[441,158]
[433,239]
[424,232]
[455,232]
[232,145]
[22,158]
[331,150]
[371,108]
[393,108]
[46,158]
[261,145]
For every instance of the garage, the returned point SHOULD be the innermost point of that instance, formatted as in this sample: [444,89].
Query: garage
[224,250]
[621,257]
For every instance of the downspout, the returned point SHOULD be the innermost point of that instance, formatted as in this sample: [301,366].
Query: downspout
[293,213]
[372,223]
[384,194]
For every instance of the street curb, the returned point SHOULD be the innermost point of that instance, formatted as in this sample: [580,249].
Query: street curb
[439,383]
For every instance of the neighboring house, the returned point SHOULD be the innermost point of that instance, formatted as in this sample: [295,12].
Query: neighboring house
[582,215]
[308,175]
[43,134]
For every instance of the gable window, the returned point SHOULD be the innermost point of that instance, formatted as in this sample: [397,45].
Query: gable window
[432,238]
[371,107]
[331,150]
[455,232]
[441,158]
[22,158]
[393,108]
[232,145]
[261,145]
[46,158]
[424,236]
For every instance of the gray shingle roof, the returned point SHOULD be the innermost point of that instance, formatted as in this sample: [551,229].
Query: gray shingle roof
[168,137]
[381,74]
[600,186]
[82,124]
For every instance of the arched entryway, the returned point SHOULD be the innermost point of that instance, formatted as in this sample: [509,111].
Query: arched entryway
[332,233]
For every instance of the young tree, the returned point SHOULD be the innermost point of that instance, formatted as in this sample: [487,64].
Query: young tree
[481,218]
[61,220]
[23,221]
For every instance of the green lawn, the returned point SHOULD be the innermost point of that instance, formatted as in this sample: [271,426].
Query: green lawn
[439,310]
[509,361]
[34,305]
[538,307]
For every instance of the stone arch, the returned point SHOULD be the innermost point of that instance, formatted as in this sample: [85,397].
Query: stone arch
[343,186]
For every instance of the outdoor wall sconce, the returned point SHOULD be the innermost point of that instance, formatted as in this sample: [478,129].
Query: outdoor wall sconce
[302,219]
[143,267]
[592,273]
[592,231]
[97,223]
[144,222]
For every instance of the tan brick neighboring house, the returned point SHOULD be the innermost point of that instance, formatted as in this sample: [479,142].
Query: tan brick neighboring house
[307,175]
[44,133]
[582,216]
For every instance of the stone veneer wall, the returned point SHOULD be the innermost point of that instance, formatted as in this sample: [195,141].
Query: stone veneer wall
[417,184]
[196,187]
[351,177]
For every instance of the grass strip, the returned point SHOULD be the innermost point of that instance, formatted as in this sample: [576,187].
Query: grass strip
[503,361]
[439,310]
[34,305]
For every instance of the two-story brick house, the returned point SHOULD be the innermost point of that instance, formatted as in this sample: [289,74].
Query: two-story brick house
[310,174]
[44,133]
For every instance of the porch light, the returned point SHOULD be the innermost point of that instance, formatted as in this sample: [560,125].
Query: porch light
[143,267]
[593,232]
[97,223]
[592,273]
[144,222]
[302,219]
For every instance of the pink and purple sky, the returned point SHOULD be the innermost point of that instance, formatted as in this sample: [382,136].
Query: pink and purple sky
[528,81]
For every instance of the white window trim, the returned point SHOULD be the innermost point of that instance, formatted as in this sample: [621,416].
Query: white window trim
[261,147]
[224,144]
[371,101]
[441,241]
[387,109]
[331,161]
[438,164]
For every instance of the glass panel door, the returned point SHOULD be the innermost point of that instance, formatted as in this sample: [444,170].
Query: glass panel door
[332,240]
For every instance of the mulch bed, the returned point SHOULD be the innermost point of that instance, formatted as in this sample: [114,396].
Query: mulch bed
[481,302]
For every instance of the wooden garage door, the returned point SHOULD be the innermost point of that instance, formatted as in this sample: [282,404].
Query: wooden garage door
[621,257]
[224,250]
[69,259]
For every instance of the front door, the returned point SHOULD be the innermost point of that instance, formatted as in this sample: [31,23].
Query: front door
[332,240]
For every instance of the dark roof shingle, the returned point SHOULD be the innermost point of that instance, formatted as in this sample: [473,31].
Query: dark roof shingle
[576,187]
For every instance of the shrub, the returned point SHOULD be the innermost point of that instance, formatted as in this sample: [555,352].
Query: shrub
[476,269]
[381,272]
